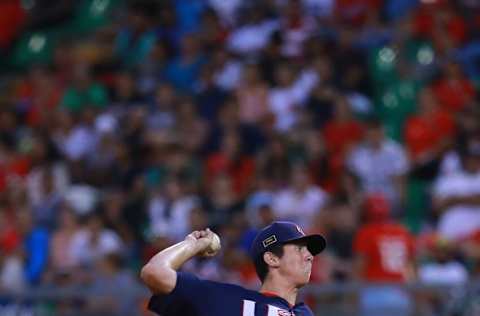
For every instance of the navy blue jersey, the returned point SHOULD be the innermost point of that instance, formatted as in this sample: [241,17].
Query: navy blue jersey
[195,297]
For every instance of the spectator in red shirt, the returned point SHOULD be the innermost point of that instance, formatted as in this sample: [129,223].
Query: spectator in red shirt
[343,130]
[232,161]
[11,21]
[10,237]
[384,253]
[384,248]
[39,95]
[454,91]
[470,249]
[428,134]
[340,134]
[13,166]
[437,21]
[356,12]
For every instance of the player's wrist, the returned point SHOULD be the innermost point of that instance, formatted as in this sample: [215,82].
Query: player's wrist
[193,246]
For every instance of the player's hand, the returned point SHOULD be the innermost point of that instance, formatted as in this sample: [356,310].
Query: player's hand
[205,242]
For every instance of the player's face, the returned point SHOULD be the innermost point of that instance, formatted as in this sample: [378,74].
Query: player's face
[296,263]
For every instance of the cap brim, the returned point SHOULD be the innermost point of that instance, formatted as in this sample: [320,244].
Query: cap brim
[315,243]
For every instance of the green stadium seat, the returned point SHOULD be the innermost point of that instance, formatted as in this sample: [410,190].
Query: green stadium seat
[396,104]
[419,52]
[382,67]
[476,83]
[32,48]
[38,46]
[92,14]
[416,208]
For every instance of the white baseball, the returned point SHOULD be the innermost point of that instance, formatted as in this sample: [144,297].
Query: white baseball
[214,247]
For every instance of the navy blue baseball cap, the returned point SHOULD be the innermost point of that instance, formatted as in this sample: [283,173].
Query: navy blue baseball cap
[282,232]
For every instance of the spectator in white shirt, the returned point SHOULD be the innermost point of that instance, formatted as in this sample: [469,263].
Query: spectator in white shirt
[301,201]
[288,95]
[169,211]
[12,277]
[81,140]
[441,268]
[228,70]
[456,196]
[227,10]
[35,179]
[379,165]
[297,26]
[94,242]
[253,36]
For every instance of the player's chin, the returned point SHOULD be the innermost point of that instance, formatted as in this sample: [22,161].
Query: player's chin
[304,281]
[305,277]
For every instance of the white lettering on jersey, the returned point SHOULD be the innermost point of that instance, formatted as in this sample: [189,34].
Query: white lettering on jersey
[393,253]
[249,310]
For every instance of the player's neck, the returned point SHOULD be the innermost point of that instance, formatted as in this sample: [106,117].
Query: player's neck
[281,289]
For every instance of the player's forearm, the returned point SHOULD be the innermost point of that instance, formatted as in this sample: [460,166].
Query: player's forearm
[174,256]
[160,272]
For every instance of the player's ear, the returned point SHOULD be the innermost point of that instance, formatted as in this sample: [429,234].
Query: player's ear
[271,259]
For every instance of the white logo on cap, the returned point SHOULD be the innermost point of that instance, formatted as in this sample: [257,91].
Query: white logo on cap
[300,230]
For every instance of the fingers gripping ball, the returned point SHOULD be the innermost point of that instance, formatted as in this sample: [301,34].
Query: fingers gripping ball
[214,246]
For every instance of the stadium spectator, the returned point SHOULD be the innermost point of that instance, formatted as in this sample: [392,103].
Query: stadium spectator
[288,96]
[455,194]
[94,241]
[222,201]
[12,278]
[10,237]
[232,161]
[185,114]
[169,210]
[322,98]
[252,93]
[274,162]
[136,39]
[341,133]
[183,71]
[253,34]
[11,22]
[339,221]
[83,92]
[35,240]
[441,267]
[62,259]
[301,200]
[380,165]
[454,91]
[428,134]
[384,252]
[38,96]
[111,276]
[227,69]
[296,25]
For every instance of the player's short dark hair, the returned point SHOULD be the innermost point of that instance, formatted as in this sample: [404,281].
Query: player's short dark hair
[261,266]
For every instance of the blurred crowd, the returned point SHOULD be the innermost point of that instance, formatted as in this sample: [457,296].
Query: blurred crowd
[357,119]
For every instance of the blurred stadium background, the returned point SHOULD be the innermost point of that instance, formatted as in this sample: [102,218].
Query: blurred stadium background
[124,125]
